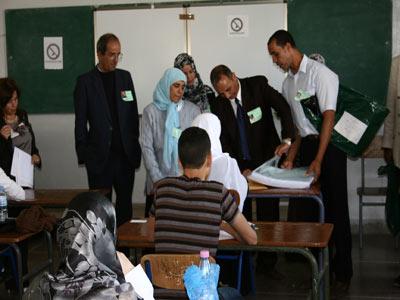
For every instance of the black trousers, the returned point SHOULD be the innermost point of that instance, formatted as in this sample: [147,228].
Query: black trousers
[120,174]
[333,182]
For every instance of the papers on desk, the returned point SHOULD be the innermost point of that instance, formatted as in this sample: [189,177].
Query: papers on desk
[271,175]
[22,168]
[223,235]
[140,283]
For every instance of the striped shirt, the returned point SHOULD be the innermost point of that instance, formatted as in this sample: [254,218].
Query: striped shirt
[188,213]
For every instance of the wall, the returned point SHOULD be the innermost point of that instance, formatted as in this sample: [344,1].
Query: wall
[57,140]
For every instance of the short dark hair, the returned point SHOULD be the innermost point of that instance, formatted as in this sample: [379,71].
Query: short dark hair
[218,72]
[7,87]
[282,37]
[103,41]
[193,147]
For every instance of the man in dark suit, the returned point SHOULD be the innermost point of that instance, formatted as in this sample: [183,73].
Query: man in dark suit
[107,126]
[248,134]
[249,101]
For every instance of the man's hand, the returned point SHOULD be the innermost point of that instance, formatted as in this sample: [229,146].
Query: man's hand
[314,169]
[246,172]
[35,159]
[282,149]
[287,164]
[5,131]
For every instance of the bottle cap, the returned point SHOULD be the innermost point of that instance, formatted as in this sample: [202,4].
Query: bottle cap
[204,254]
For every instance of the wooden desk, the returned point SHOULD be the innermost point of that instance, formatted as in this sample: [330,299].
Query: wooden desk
[272,237]
[12,239]
[54,198]
[314,193]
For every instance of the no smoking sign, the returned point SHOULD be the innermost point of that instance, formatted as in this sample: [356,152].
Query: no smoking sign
[238,26]
[53,53]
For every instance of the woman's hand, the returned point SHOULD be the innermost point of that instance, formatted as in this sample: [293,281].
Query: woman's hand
[5,131]
[125,263]
[35,159]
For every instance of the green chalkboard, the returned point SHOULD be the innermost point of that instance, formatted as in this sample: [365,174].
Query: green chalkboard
[42,90]
[354,36]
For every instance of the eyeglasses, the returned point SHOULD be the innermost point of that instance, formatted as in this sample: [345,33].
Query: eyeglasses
[116,56]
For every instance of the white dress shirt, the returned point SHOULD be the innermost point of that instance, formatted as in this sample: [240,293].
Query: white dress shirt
[313,78]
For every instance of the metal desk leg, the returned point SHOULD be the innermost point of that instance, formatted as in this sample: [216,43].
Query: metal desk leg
[321,207]
[326,266]
[19,268]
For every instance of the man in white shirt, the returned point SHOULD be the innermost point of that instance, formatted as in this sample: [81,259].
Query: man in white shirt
[307,78]
[13,190]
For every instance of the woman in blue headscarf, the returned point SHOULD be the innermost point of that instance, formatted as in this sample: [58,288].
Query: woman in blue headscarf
[162,122]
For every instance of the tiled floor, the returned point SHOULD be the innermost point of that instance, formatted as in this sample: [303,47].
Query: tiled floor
[375,267]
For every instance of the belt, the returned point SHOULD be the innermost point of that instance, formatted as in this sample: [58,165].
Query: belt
[311,137]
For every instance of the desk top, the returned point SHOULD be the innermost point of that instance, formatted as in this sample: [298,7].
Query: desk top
[53,197]
[14,237]
[314,190]
[270,234]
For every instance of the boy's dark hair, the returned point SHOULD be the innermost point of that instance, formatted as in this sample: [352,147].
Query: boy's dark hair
[282,37]
[218,72]
[103,41]
[193,147]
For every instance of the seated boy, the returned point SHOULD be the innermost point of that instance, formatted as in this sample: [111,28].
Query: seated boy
[189,209]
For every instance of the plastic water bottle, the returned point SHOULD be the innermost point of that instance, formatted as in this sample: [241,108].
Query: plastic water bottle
[207,292]
[204,263]
[3,205]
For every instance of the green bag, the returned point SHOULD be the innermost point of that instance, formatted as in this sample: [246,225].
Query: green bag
[357,119]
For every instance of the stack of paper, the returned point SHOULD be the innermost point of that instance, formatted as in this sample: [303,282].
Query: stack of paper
[22,168]
[273,176]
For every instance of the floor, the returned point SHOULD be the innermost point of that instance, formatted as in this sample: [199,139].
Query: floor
[375,267]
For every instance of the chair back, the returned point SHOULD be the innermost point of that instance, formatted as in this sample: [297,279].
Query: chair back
[167,270]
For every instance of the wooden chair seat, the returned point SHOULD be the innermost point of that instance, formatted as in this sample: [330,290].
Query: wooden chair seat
[167,270]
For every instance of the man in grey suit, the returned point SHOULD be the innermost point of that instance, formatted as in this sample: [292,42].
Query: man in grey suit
[107,126]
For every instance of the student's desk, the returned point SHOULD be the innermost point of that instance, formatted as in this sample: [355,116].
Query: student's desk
[314,193]
[12,239]
[272,237]
[53,198]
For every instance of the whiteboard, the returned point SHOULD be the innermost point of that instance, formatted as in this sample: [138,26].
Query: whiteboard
[245,55]
[151,39]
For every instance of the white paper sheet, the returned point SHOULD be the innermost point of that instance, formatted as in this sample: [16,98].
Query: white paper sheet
[350,127]
[270,175]
[223,235]
[22,168]
[141,283]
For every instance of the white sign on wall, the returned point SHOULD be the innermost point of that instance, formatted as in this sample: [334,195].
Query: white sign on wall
[53,53]
[238,26]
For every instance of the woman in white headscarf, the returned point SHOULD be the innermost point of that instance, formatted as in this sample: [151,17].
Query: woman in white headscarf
[224,168]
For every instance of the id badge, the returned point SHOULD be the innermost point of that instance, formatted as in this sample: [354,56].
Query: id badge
[176,132]
[255,115]
[301,95]
[127,95]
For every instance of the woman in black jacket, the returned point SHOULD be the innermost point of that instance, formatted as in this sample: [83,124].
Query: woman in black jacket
[15,129]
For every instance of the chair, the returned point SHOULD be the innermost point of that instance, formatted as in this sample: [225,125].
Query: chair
[373,151]
[7,252]
[167,270]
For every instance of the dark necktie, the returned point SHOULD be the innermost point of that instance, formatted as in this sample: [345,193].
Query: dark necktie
[240,119]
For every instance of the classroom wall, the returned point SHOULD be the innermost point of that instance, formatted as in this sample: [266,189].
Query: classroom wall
[55,132]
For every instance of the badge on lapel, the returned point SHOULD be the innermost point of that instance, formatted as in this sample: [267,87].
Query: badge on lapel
[127,95]
[255,115]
